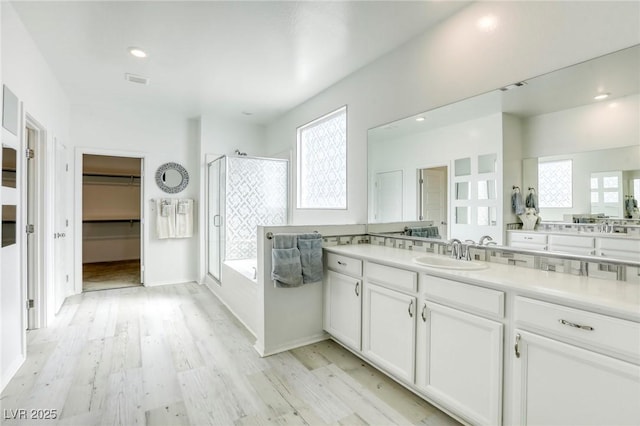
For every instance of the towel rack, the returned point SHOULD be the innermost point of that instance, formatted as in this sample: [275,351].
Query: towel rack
[515,188]
[531,188]
[269,235]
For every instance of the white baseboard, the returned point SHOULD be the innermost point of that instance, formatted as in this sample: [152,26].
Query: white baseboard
[290,345]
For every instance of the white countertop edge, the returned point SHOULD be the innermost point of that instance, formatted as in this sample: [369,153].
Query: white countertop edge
[614,235]
[616,298]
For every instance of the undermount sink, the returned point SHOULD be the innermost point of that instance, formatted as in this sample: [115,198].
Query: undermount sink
[449,263]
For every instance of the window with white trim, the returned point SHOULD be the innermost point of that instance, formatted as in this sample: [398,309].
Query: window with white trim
[322,162]
[555,184]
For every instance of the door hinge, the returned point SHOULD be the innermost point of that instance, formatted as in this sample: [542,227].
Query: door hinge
[30,229]
[30,303]
[66,167]
[66,223]
[30,153]
[67,277]
[421,181]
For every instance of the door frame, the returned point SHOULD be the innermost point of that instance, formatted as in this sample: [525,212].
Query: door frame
[77,240]
[419,200]
[43,288]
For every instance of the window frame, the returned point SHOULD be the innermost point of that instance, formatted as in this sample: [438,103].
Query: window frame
[559,160]
[299,129]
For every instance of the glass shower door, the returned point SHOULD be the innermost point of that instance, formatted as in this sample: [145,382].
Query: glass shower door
[214,219]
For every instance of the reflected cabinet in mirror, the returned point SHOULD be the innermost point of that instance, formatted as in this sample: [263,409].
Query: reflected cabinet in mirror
[570,138]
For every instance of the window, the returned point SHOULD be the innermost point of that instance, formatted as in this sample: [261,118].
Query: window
[555,184]
[322,162]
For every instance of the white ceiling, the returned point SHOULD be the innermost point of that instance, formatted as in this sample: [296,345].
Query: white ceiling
[263,57]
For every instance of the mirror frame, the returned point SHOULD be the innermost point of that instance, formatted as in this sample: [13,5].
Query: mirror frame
[172,189]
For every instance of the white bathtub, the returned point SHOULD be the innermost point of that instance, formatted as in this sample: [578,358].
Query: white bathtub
[246,267]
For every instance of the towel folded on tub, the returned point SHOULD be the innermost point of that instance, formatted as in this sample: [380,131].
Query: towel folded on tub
[310,246]
[286,265]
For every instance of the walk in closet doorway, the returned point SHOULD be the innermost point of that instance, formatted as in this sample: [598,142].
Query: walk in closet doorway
[111,222]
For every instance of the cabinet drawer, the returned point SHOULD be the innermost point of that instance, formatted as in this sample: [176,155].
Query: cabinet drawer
[571,241]
[483,301]
[528,246]
[619,244]
[613,335]
[392,277]
[346,265]
[528,238]
[620,254]
[573,250]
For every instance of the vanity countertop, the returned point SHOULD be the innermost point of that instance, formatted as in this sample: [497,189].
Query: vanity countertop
[617,298]
[617,235]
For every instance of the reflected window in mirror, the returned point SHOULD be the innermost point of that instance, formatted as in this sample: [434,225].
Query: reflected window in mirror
[487,163]
[8,225]
[555,184]
[8,167]
[462,216]
[606,193]
[487,216]
[487,189]
[462,167]
[462,191]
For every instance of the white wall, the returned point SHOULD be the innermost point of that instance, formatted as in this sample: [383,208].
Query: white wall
[160,137]
[591,127]
[27,74]
[452,62]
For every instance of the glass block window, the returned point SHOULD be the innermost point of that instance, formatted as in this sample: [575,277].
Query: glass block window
[322,162]
[555,184]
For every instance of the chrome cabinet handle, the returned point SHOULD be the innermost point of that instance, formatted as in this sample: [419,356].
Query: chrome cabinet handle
[424,313]
[574,325]
[516,348]
[342,263]
[357,288]
[410,309]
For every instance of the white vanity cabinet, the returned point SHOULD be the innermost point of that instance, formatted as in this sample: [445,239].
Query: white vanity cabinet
[618,248]
[389,319]
[343,300]
[573,367]
[459,348]
[529,241]
[581,245]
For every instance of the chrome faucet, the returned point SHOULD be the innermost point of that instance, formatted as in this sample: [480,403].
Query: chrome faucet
[456,248]
[484,239]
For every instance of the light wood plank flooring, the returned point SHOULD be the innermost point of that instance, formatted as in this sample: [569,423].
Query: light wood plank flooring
[173,355]
[110,275]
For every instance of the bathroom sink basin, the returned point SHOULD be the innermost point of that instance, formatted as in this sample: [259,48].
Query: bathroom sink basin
[449,263]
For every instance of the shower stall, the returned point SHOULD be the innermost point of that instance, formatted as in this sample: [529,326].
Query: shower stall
[243,192]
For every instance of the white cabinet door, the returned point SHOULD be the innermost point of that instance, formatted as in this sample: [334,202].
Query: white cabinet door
[342,310]
[460,362]
[561,384]
[389,330]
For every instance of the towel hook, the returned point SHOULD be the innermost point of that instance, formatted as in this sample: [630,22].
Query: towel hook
[516,188]
[532,189]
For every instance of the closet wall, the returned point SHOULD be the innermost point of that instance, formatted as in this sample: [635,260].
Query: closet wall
[110,208]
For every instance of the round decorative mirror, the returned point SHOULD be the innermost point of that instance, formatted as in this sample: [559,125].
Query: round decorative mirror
[172,177]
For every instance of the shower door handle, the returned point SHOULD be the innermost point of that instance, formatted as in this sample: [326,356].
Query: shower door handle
[216,220]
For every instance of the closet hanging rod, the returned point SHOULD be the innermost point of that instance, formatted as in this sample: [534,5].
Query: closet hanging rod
[110,175]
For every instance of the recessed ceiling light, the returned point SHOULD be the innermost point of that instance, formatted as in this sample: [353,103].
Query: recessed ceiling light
[420,119]
[137,52]
[601,96]
[487,23]
[247,113]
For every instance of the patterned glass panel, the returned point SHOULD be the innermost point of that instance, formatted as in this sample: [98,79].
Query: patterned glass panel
[256,195]
[611,197]
[595,197]
[594,183]
[610,182]
[322,155]
[554,181]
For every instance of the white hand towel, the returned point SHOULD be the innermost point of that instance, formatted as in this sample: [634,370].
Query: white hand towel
[165,218]
[184,218]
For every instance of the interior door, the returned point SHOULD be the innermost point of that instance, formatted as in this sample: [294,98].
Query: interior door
[389,196]
[61,222]
[433,182]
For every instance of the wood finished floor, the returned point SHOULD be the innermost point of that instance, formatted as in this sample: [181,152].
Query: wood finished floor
[173,355]
[110,275]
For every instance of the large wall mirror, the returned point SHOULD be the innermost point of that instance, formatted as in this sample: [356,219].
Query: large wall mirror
[587,114]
